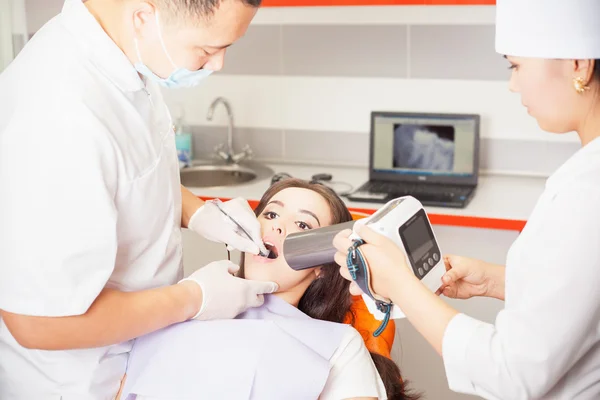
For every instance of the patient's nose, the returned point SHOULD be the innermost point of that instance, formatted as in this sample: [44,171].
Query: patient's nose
[277,228]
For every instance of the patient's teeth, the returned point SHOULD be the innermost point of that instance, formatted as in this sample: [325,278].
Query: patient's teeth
[272,250]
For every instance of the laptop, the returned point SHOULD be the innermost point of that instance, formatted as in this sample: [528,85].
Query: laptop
[432,157]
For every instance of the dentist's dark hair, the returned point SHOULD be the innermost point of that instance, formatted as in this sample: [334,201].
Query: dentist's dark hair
[327,298]
[197,8]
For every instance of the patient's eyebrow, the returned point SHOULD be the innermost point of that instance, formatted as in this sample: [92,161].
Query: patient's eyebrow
[311,214]
[280,203]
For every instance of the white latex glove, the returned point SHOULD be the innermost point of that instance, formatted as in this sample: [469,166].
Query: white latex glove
[225,296]
[210,222]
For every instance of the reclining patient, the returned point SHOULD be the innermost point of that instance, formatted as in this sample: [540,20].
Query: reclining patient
[295,346]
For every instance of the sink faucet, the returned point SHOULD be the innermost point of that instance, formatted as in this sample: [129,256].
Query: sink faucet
[228,155]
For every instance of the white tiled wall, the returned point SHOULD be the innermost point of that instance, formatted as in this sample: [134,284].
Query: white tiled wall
[324,69]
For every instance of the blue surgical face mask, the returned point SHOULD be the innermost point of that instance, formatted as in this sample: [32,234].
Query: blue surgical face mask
[179,78]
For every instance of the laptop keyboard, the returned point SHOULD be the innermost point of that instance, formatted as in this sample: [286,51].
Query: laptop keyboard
[380,190]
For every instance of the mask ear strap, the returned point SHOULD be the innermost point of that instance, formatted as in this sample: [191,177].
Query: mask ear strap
[161,40]
[137,49]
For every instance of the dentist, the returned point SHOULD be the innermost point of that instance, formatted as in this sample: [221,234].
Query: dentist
[91,206]
[545,343]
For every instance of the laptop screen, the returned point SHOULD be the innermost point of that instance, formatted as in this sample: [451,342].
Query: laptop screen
[425,147]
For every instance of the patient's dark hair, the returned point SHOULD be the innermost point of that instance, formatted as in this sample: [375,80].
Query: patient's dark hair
[328,298]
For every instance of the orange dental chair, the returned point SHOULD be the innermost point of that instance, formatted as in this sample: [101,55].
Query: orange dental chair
[365,323]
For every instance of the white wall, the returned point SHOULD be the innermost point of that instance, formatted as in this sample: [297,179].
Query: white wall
[299,102]
[287,102]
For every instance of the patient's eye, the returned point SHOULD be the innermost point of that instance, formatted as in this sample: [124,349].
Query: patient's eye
[270,215]
[303,225]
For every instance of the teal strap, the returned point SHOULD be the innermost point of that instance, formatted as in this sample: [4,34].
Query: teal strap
[358,268]
[385,308]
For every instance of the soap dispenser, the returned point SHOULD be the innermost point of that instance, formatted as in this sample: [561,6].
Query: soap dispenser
[183,143]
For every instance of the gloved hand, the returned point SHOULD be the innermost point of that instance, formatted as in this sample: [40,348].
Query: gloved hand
[210,222]
[225,296]
[386,261]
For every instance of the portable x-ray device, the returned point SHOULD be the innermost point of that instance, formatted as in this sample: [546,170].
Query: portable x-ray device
[404,221]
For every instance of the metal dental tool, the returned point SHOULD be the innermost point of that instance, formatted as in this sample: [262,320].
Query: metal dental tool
[240,228]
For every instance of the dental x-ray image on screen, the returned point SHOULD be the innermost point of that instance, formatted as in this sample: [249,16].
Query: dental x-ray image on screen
[424,147]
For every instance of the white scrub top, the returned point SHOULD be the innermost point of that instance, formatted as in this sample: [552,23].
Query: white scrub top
[545,344]
[90,198]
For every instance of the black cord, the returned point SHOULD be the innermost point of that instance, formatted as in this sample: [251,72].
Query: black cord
[279,177]
[340,193]
[322,178]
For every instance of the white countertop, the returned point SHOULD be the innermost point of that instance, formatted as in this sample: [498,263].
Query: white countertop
[497,197]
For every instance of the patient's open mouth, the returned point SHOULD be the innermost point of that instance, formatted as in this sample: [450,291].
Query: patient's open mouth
[273,253]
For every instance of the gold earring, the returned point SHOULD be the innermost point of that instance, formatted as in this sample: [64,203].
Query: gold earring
[579,85]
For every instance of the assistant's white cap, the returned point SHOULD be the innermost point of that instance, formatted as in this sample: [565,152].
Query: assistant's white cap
[566,29]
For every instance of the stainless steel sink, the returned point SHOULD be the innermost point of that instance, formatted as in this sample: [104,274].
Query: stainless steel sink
[220,174]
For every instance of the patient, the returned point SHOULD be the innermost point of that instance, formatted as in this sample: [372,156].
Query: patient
[296,346]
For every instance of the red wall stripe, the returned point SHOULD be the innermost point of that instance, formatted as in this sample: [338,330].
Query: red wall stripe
[312,3]
[441,219]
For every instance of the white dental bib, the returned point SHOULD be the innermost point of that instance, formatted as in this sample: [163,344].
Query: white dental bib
[271,352]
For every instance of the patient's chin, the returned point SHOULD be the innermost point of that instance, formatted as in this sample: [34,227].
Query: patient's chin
[278,271]
[285,277]
[255,269]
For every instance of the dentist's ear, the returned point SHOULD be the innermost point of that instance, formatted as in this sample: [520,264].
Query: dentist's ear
[143,14]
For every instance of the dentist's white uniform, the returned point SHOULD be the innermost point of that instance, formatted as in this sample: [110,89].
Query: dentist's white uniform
[546,341]
[113,154]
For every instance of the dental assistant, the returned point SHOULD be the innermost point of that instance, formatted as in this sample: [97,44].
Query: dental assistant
[545,343]
[91,206]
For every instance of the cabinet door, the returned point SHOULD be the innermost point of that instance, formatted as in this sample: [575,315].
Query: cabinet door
[19,20]
[197,252]
[12,30]
[419,363]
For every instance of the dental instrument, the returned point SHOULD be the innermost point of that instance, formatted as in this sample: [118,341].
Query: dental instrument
[240,228]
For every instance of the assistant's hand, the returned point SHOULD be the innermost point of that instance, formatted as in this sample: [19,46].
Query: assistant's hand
[468,277]
[387,262]
[211,223]
[224,295]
